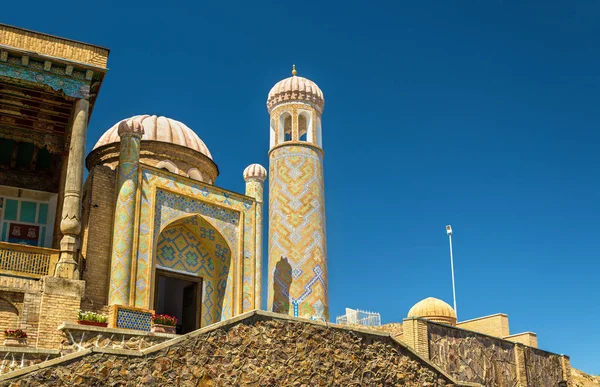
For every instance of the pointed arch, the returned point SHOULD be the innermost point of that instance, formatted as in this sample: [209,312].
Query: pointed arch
[285,127]
[168,165]
[191,245]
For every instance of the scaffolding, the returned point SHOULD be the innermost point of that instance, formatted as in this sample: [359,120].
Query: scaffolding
[359,317]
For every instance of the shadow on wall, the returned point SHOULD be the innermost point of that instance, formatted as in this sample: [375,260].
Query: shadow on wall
[282,280]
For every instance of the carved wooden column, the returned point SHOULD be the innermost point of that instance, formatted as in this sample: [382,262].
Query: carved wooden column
[131,133]
[70,224]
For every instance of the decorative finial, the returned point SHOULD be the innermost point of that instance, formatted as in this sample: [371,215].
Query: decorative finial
[294,72]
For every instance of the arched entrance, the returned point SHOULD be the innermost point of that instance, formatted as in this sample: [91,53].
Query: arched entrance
[192,265]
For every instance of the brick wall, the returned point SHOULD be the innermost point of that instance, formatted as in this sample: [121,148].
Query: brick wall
[11,305]
[492,361]
[494,325]
[20,300]
[53,46]
[415,335]
[98,212]
[527,338]
[60,301]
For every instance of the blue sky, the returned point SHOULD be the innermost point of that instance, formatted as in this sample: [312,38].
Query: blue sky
[479,114]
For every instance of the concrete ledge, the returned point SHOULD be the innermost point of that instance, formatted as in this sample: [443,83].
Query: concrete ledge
[66,326]
[117,351]
[46,364]
[41,351]
[63,287]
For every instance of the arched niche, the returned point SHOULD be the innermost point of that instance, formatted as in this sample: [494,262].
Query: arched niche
[193,250]
[285,127]
[194,173]
[168,165]
[305,132]
[9,315]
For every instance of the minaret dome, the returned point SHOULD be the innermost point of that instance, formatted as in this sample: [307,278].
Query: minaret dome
[295,105]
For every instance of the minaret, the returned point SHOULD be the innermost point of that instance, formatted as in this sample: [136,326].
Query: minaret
[297,247]
[255,176]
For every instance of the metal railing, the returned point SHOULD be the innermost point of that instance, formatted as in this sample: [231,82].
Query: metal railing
[27,261]
[359,317]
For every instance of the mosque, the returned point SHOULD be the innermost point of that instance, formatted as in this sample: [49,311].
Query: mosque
[151,232]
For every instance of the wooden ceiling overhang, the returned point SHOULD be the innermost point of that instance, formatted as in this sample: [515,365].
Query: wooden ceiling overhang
[40,78]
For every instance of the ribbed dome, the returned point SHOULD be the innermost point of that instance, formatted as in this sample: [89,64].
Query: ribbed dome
[159,129]
[435,310]
[256,171]
[295,88]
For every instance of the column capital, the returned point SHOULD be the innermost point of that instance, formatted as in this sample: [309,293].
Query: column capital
[130,128]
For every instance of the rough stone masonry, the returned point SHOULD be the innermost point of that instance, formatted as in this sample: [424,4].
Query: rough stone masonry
[256,350]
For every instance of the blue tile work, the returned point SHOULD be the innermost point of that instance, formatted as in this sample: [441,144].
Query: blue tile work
[134,319]
[166,198]
[70,86]
[183,246]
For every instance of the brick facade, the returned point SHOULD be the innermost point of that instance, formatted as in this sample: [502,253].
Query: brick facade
[527,338]
[19,305]
[60,301]
[415,336]
[495,325]
[99,204]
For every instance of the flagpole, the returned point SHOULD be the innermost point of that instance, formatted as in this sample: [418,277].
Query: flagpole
[449,232]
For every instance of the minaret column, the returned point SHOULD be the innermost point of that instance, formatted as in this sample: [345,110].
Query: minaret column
[70,224]
[298,283]
[131,133]
[255,176]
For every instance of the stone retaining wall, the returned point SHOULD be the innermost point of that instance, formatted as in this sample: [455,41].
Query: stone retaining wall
[81,337]
[253,349]
[14,358]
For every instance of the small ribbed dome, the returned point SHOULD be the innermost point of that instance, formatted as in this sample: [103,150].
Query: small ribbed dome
[435,310]
[295,88]
[159,129]
[256,171]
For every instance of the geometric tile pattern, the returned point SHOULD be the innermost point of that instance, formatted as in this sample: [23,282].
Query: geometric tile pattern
[123,226]
[70,86]
[255,189]
[297,248]
[167,198]
[183,246]
[134,319]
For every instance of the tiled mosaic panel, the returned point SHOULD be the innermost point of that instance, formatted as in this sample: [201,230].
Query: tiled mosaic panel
[193,246]
[134,319]
[123,229]
[297,248]
[255,189]
[165,198]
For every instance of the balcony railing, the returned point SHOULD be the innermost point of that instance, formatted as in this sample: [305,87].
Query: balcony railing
[27,261]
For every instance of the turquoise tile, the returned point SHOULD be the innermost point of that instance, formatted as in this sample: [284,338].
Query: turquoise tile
[28,211]
[43,213]
[10,209]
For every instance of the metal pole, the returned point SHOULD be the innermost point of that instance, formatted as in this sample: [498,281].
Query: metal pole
[452,265]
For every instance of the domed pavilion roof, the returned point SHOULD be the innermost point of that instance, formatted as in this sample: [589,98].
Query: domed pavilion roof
[435,310]
[161,129]
[295,88]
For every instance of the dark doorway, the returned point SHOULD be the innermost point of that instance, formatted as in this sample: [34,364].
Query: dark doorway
[179,295]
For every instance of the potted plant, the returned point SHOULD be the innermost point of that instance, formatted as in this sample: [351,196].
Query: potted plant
[163,323]
[92,318]
[16,338]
